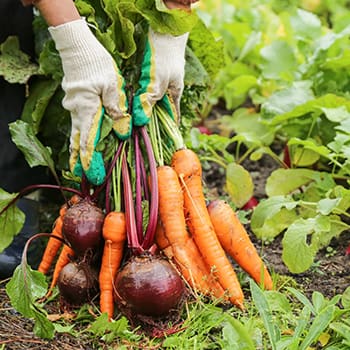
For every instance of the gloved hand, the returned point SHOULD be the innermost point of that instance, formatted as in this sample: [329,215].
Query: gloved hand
[92,83]
[162,74]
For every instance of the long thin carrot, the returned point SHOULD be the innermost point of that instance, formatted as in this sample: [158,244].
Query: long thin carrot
[64,258]
[184,250]
[188,167]
[236,242]
[114,234]
[53,244]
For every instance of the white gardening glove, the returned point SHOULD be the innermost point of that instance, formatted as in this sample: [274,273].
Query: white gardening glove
[162,74]
[92,83]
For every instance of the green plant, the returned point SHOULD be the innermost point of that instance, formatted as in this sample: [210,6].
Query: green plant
[285,80]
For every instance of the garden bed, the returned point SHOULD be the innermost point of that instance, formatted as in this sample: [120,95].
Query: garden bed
[329,275]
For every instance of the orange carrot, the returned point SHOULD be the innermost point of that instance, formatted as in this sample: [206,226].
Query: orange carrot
[184,250]
[188,167]
[162,241]
[114,234]
[64,258]
[53,244]
[236,242]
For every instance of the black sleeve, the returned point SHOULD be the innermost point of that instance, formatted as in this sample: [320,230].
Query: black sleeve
[15,19]
[15,172]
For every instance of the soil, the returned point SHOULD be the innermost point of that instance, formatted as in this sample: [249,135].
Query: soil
[330,274]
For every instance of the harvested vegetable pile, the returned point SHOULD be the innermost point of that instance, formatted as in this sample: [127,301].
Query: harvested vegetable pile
[145,240]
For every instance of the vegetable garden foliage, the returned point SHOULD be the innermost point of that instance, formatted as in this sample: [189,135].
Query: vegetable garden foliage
[284,75]
[285,81]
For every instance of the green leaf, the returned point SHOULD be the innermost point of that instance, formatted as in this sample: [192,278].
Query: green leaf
[249,124]
[15,66]
[298,250]
[328,227]
[345,299]
[306,105]
[309,145]
[195,73]
[337,114]
[43,327]
[319,324]
[304,157]
[287,102]
[272,216]
[278,61]
[163,20]
[123,28]
[24,288]
[239,184]
[236,91]
[343,330]
[33,150]
[276,184]
[302,298]
[101,327]
[327,205]
[278,301]
[50,62]
[11,221]
[306,25]
[207,49]
[235,335]
[264,309]
[35,106]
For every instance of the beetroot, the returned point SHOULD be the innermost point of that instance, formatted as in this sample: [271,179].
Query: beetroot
[77,283]
[148,285]
[82,227]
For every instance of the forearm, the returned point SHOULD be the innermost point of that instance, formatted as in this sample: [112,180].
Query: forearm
[179,4]
[55,12]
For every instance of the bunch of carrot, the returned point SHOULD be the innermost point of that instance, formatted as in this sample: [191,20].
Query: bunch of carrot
[200,239]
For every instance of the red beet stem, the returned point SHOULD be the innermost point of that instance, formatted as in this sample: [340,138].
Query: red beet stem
[138,188]
[31,188]
[153,212]
[133,240]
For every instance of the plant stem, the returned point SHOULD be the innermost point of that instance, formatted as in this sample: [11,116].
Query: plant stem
[39,186]
[110,169]
[116,180]
[215,160]
[138,187]
[133,240]
[156,139]
[153,211]
[170,126]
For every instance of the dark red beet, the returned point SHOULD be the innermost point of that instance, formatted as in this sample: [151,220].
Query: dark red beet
[82,227]
[204,130]
[148,285]
[251,204]
[77,284]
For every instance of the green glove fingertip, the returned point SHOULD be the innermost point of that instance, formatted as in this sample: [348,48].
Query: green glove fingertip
[141,110]
[96,173]
[141,107]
